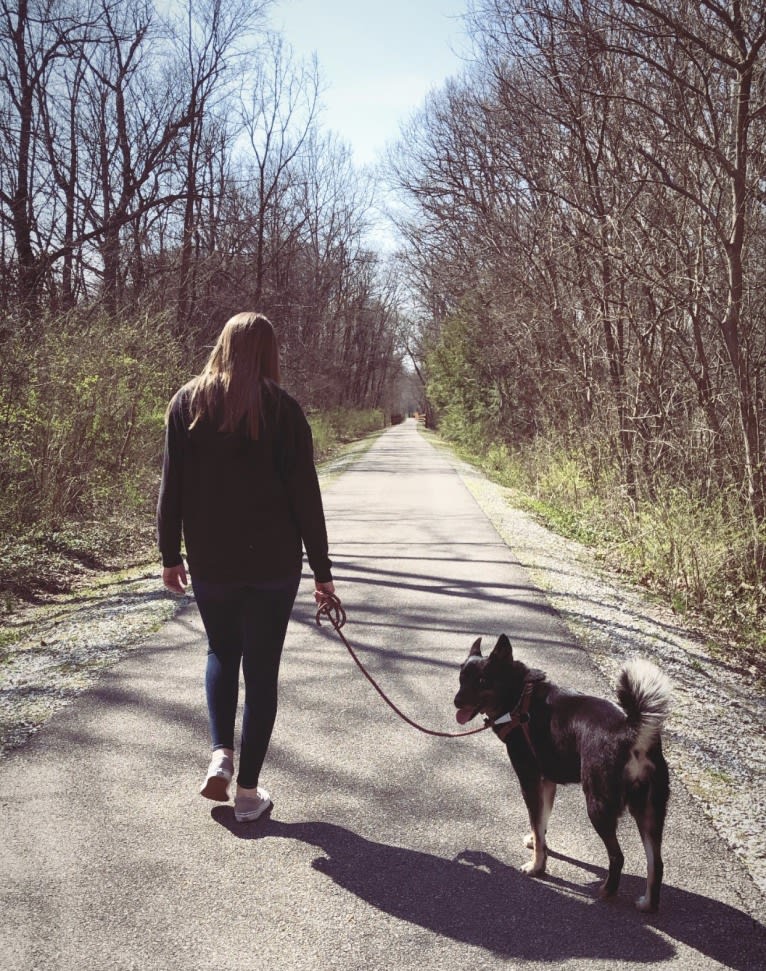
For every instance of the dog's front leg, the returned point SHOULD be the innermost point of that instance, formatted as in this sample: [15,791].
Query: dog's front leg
[539,794]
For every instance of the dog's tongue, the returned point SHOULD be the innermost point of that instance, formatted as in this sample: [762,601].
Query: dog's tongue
[464,715]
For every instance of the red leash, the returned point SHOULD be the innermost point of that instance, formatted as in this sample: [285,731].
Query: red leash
[332,609]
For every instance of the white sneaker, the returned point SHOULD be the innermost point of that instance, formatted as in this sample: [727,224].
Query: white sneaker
[249,804]
[219,775]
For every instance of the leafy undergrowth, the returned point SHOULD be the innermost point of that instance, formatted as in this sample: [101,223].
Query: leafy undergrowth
[39,563]
[333,429]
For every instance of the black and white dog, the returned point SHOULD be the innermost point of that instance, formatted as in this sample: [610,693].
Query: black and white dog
[555,736]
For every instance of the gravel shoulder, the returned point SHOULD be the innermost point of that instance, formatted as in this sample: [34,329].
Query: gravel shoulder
[716,735]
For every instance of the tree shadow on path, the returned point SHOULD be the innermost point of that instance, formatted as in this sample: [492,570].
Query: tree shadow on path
[475,899]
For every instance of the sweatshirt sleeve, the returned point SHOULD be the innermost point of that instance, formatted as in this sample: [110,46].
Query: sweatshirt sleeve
[169,502]
[305,497]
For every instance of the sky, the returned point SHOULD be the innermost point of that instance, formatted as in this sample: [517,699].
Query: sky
[378,59]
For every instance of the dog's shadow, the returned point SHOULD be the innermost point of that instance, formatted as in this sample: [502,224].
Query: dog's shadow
[477,900]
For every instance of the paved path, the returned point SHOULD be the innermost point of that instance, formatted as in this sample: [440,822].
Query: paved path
[387,849]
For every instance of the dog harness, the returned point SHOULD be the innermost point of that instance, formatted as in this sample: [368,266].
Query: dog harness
[518,718]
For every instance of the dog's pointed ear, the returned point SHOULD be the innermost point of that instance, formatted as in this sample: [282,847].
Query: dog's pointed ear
[475,648]
[503,650]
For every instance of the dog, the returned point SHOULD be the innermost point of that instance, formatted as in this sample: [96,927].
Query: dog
[556,737]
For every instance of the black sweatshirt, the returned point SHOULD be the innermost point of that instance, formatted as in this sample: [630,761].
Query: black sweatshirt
[246,506]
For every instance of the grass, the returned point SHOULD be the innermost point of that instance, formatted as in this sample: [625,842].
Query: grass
[8,638]
[710,784]
[333,429]
[38,563]
[344,456]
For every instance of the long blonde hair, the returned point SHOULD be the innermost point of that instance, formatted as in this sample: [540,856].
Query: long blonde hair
[229,390]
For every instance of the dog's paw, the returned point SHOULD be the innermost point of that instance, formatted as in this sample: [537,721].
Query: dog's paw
[533,869]
[644,905]
[529,841]
[605,892]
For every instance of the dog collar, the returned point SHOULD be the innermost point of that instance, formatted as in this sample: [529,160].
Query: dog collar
[503,725]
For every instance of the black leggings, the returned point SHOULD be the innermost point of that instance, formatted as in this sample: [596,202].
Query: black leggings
[245,625]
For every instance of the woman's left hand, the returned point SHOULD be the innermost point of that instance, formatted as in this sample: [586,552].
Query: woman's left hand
[323,591]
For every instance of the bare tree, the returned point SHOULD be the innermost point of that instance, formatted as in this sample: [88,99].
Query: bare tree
[278,113]
[711,57]
[208,63]
[35,37]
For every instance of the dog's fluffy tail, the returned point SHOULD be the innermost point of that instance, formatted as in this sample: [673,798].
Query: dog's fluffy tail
[644,694]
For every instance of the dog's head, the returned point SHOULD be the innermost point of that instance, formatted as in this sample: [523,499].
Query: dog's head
[490,685]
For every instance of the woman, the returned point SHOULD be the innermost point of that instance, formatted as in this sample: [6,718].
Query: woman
[239,481]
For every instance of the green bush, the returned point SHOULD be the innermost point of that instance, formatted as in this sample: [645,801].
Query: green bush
[695,549]
[82,403]
[81,412]
[337,426]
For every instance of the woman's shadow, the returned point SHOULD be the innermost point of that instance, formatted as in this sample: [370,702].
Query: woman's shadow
[478,900]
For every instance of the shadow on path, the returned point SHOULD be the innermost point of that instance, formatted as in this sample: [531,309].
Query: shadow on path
[477,900]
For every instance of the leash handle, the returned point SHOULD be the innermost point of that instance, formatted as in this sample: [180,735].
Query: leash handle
[332,609]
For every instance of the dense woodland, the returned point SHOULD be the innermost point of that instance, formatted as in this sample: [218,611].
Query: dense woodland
[585,213]
[581,285]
